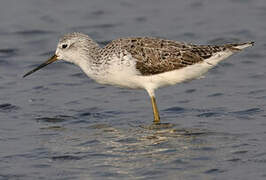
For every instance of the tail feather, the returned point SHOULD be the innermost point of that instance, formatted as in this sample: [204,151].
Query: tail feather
[240,46]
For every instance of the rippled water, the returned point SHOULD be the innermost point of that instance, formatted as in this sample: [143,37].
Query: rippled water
[58,124]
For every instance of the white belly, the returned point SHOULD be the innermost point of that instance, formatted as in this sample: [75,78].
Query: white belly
[130,78]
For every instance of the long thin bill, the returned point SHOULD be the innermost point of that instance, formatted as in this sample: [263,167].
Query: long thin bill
[49,61]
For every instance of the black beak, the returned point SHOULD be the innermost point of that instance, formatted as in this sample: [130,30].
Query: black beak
[49,61]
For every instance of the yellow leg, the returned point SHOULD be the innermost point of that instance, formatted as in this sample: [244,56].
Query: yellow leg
[155,110]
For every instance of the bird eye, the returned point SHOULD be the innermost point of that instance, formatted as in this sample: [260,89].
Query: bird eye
[64,46]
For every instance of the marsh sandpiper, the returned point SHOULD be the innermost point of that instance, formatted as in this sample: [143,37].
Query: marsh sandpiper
[140,62]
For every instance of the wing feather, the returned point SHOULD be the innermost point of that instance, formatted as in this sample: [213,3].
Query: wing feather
[154,55]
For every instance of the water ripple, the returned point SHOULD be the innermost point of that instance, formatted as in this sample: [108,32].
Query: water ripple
[250,111]
[190,91]
[6,107]
[9,52]
[214,171]
[55,119]
[33,32]
[141,19]
[209,114]
[175,110]
[66,158]
[215,94]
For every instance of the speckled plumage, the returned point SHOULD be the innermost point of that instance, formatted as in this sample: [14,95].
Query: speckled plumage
[154,55]
[141,62]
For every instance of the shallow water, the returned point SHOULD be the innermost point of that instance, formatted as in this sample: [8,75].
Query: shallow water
[58,124]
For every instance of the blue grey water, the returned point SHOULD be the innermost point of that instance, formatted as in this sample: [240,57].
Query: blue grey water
[59,124]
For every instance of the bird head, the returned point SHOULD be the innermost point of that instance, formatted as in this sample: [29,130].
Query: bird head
[71,48]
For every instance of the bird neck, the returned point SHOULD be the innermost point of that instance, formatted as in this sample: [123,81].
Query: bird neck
[90,61]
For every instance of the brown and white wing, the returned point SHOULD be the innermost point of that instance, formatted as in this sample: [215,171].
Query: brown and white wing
[156,56]
[157,61]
